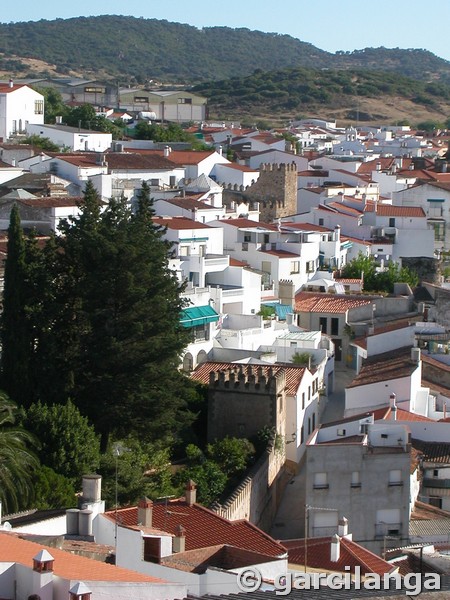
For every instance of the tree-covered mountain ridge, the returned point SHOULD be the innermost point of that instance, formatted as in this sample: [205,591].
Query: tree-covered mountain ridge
[139,50]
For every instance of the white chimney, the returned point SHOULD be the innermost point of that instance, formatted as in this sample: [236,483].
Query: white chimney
[11,83]
[415,355]
[13,162]
[166,151]
[335,548]
[220,150]
[179,541]
[145,512]
[191,493]
[393,405]
[42,575]
[343,527]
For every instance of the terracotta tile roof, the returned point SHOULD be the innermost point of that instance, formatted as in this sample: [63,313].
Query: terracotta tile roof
[221,556]
[204,528]
[294,374]
[351,555]
[234,262]
[67,565]
[49,202]
[6,89]
[386,210]
[383,367]
[179,223]
[436,452]
[120,160]
[361,342]
[305,226]
[178,157]
[343,208]
[328,303]
[189,203]
[406,415]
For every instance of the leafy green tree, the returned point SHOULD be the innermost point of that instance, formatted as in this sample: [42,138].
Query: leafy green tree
[377,280]
[142,470]
[41,142]
[68,443]
[52,490]
[362,266]
[53,104]
[210,479]
[17,462]
[232,455]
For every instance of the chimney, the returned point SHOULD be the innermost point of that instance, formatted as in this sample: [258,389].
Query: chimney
[220,150]
[166,151]
[393,406]
[42,575]
[335,548]
[179,541]
[13,162]
[337,233]
[343,527]
[415,355]
[145,512]
[191,493]
[80,591]
[11,83]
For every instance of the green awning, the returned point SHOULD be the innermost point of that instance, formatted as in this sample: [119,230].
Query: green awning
[198,315]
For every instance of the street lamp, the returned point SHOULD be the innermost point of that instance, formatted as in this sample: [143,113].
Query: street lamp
[118,450]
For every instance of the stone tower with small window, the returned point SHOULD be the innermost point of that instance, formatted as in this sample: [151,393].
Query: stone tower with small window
[276,191]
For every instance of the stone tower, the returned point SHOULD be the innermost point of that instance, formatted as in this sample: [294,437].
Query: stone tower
[276,191]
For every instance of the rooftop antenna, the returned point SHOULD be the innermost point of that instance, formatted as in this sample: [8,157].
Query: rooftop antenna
[168,512]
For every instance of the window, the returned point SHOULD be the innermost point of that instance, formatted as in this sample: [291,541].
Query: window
[309,425]
[435,472]
[392,222]
[303,400]
[247,237]
[295,266]
[356,480]
[266,238]
[340,432]
[95,90]
[334,326]
[184,251]
[141,99]
[321,222]
[323,324]
[309,392]
[184,100]
[152,549]
[200,333]
[395,477]
[314,421]
[320,481]
[302,435]
[310,266]
[38,107]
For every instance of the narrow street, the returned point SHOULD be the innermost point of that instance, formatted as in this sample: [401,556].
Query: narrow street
[289,521]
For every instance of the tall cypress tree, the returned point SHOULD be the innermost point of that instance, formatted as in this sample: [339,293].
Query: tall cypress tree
[15,356]
[119,306]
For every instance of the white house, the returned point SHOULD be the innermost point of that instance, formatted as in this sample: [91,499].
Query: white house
[20,106]
[72,138]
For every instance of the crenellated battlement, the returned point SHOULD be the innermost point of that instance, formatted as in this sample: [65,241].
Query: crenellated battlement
[264,380]
[286,167]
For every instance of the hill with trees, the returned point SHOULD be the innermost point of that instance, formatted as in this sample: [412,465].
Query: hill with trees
[355,94]
[139,50]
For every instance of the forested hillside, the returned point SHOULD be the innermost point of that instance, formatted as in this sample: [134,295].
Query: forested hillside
[138,50]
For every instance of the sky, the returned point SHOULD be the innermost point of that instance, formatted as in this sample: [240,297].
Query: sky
[329,24]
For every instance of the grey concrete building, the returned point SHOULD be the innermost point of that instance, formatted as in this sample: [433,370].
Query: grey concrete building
[359,470]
